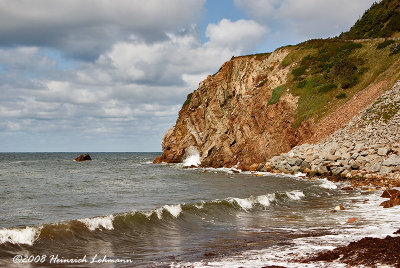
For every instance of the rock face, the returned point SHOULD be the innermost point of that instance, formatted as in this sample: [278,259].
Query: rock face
[369,146]
[229,120]
[83,157]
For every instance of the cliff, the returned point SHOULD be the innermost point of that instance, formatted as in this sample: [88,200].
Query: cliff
[228,118]
[259,106]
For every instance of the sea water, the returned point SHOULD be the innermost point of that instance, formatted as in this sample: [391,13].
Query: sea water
[120,210]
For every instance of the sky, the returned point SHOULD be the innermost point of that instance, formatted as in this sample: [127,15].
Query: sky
[112,75]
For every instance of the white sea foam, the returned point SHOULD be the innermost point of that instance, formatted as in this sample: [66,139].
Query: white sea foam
[373,221]
[159,212]
[105,222]
[266,200]
[295,195]
[248,203]
[174,210]
[27,235]
[244,203]
[327,184]
[199,206]
[192,157]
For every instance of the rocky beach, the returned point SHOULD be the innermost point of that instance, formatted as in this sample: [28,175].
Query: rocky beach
[368,147]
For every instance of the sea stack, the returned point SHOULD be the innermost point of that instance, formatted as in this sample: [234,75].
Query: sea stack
[83,157]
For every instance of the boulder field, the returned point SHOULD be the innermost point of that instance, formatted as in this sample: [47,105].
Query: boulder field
[369,146]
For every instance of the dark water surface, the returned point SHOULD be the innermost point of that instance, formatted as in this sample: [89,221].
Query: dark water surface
[121,207]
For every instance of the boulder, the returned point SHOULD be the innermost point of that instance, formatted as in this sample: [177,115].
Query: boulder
[385,170]
[393,160]
[351,220]
[157,160]
[383,151]
[337,208]
[83,157]
[348,188]
[393,201]
[294,161]
[389,193]
[322,169]
[375,165]
[254,167]
[337,170]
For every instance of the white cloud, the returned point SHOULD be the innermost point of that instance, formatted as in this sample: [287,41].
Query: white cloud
[241,35]
[87,28]
[133,88]
[306,18]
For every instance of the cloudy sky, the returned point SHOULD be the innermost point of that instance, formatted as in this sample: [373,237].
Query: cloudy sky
[111,75]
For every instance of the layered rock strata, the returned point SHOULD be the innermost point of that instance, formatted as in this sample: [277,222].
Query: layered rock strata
[369,146]
[229,120]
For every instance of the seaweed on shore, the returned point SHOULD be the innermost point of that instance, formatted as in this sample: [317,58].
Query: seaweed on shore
[367,251]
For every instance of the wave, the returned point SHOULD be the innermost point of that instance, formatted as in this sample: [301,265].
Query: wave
[192,157]
[327,184]
[25,235]
[105,222]
[119,222]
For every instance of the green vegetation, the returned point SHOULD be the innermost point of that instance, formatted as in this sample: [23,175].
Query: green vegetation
[395,49]
[381,112]
[389,110]
[326,73]
[257,56]
[341,96]
[276,94]
[384,44]
[299,71]
[188,99]
[380,20]
[326,87]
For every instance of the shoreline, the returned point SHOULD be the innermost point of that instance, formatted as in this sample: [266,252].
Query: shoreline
[375,250]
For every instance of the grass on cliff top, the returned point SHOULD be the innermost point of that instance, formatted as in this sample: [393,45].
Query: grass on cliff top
[327,73]
[257,56]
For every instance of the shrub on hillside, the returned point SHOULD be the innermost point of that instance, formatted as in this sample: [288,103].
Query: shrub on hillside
[276,94]
[299,71]
[384,44]
[326,87]
[341,96]
[395,49]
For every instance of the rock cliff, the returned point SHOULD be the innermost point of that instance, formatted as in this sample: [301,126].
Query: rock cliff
[259,106]
[233,117]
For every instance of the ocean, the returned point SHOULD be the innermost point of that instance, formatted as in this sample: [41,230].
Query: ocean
[120,210]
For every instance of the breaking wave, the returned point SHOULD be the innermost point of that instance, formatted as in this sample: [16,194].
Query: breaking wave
[120,222]
[192,157]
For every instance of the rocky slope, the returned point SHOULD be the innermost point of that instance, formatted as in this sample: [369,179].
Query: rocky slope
[369,146]
[228,118]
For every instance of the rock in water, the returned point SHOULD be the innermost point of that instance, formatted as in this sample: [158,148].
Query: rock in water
[389,193]
[83,157]
[157,160]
